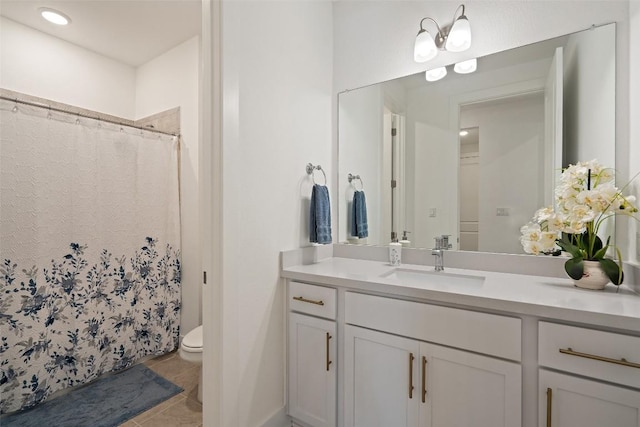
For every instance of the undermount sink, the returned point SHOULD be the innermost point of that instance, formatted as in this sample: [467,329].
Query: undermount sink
[413,277]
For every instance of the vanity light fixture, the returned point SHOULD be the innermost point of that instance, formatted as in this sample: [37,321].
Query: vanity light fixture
[54,16]
[456,39]
[466,67]
[435,74]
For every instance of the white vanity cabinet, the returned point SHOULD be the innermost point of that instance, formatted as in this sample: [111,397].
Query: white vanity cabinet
[514,351]
[466,389]
[381,379]
[391,380]
[610,396]
[312,357]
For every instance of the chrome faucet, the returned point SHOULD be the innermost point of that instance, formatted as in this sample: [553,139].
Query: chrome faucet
[442,244]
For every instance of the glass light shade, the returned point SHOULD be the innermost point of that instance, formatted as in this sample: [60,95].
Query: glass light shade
[425,48]
[435,74]
[54,16]
[466,67]
[459,37]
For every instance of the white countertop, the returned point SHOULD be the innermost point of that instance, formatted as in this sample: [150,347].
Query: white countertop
[543,297]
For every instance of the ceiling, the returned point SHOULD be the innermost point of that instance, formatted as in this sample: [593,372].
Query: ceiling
[129,31]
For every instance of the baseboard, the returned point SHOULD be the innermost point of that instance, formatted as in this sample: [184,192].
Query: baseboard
[278,419]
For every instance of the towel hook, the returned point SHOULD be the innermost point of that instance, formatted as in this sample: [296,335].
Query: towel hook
[353,178]
[311,168]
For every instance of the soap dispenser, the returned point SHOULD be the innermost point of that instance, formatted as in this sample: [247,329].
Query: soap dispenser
[395,252]
[405,242]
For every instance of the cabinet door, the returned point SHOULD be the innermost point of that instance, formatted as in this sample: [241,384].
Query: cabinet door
[381,379]
[312,370]
[459,388]
[568,401]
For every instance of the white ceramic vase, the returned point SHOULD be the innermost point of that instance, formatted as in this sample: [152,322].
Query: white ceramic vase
[593,277]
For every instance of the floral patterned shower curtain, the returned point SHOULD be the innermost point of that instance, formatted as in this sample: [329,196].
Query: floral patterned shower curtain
[89,250]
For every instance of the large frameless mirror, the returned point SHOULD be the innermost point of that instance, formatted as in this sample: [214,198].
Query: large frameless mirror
[475,155]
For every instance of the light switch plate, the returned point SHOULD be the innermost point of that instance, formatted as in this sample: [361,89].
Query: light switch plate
[432,212]
[502,211]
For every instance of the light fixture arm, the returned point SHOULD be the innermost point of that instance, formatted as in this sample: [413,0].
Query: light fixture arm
[441,37]
[461,15]
[454,37]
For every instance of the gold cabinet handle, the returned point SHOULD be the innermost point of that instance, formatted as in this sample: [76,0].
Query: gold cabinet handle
[623,361]
[310,301]
[424,379]
[549,400]
[328,361]
[411,359]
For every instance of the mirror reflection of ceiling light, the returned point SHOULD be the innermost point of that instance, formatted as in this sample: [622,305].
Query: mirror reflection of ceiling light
[464,132]
[54,16]
[466,67]
[458,38]
[435,74]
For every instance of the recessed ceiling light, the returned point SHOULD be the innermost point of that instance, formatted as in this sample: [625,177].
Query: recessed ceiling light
[54,16]
[464,133]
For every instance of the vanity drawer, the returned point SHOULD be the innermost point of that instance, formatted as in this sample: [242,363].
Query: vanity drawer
[470,330]
[589,352]
[311,299]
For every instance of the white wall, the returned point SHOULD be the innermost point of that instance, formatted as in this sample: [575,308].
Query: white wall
[589,96]
[387,30]
[277,115]
[360,116]
[633,230]
[168,81]
[431,161]
[40,65]
[511,168]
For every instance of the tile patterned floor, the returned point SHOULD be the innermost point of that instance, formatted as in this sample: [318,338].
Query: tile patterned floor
[182,410]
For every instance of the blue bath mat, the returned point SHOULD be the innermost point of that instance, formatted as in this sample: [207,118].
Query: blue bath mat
[107,402]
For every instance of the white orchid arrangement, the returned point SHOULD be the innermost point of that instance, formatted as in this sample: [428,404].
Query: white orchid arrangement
[585,197]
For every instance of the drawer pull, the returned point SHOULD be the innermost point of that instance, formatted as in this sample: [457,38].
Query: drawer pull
[328,361]
[310,301]
[549,402]
[623,361]
[424,379]
[411,359]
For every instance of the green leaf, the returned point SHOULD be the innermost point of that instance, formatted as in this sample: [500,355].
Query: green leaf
[568,247]
[612,270]
[598,244]
[574,268]
[601,253]
[584,243]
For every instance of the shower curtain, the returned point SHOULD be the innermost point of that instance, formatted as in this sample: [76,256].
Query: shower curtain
[89,250]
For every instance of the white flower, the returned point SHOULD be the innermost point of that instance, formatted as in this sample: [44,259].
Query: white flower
[543,214]
[584,196]
[532,247]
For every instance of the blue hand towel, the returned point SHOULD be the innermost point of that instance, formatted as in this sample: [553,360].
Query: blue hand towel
[320,215]
[359,226]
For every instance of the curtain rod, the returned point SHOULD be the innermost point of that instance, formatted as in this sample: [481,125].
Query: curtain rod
[78,114]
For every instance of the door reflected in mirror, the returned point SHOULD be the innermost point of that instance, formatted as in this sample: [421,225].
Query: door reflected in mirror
[469,188]
[532,110]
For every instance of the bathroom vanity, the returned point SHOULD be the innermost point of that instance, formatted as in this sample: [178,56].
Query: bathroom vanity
[374,345]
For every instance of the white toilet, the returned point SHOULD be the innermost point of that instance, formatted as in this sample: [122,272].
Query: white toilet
[191,351]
